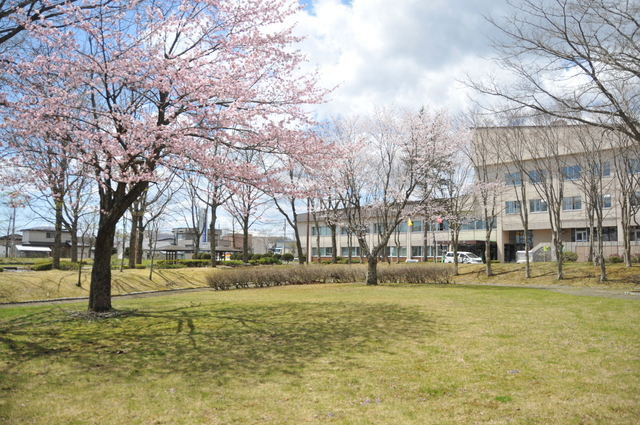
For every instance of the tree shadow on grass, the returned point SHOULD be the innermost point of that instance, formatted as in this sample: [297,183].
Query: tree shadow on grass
[213,341]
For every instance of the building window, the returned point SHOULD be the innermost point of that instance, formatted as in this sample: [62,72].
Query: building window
[571,173]
[379,228]
[324,251]
[402,228]
[579,235]
[512,207]
[323,230]
[519,236]
[513,179]
[633,166]
[609,234]
[537,176]
[417,226]
[50,235]
[416,251]
[603,169]
[355,251]
[537,206]
[571,203]
[634,234]
[345,230]
[392,251]
[606,201]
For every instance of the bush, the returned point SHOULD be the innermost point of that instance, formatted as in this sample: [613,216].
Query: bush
[140,266]
[277,256]
[1,269]
[287,256]
[267,254]
[68,265]
[275,276]
[635,258]
[615,259]
[42,267]
[256,257]
[269,260]
[570,256]
[176,264]
[204,256]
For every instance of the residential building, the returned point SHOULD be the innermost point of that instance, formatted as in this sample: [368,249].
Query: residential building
[38,242]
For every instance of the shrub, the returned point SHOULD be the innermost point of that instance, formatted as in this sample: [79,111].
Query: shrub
[256,257]
[275,276]
[635,258]
[1,269]
[277,256]
[287,256]
[267,254]
[417,274]
[140,266]
[269,260]
[42,267]
[68,265]
[204,256]
[614,259]
[570,256]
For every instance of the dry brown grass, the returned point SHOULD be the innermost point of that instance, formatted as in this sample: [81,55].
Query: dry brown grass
[545,274]
[53,284]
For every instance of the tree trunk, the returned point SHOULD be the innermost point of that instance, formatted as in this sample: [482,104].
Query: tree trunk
[56,253]
[100,291]
[133,242]
[334,244]
[487,253]
[245,239]
[140,240]
[74,246]
[372,270]
[212,235]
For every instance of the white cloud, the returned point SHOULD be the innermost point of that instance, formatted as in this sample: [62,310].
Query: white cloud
[403,52]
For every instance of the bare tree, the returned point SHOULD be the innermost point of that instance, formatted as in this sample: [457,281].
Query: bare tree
[383,168]
[571,59]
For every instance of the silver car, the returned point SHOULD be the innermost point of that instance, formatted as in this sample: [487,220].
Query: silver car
[463,257]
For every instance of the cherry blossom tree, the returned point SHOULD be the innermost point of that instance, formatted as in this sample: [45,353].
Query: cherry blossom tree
[390,157]
[155,86]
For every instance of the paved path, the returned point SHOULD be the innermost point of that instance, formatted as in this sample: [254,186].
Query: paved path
[623,294]
[569,290]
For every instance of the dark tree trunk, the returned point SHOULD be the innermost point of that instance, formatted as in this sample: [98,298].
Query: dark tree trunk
[113,205]
[100,291]
[74,246]
[212,235]
[56,252]
[133,236]
[140,240]
[245,239]
[372,270]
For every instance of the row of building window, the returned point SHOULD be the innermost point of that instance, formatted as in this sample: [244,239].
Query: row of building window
[392,251]
[569,203]
[404,227]
[572,172]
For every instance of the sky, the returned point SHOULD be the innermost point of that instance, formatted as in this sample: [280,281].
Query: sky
[407,53]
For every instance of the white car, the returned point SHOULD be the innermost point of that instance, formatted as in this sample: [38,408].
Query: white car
[463,257]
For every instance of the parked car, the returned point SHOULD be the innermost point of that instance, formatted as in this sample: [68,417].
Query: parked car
[463,257]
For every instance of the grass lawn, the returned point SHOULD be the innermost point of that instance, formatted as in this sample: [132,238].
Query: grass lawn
[336,353]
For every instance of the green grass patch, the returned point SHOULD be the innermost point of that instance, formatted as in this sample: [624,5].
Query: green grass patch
[341,353]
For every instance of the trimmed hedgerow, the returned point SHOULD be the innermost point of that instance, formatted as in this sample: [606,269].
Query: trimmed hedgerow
[40,267]
[261,277]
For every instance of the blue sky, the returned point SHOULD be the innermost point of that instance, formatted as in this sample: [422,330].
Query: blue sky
[407,53]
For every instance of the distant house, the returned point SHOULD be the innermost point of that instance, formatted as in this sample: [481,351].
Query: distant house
[38,242]
[8,243]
